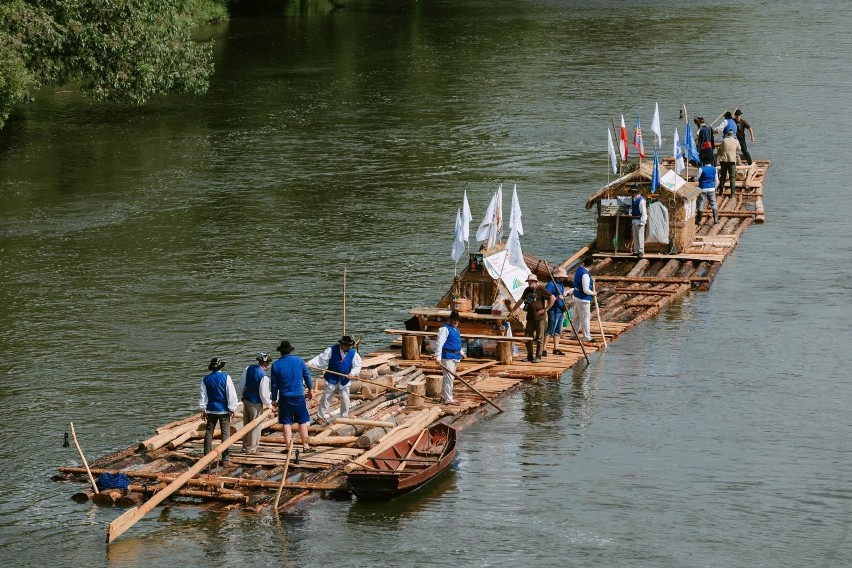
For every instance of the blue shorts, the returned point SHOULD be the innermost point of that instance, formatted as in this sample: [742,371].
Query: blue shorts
[554,322]
[293,410]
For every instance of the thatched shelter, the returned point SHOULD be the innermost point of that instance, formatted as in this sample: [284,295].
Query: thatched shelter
[614,223]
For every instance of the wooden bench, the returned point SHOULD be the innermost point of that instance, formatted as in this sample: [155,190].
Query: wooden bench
[411,342]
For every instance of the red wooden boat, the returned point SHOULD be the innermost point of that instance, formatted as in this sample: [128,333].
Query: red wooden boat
[406,465]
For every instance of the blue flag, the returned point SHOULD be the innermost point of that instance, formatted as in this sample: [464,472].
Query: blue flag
[689,145]
[655,177]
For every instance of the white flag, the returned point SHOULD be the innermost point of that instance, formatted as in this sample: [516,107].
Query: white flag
[484,232]
[458,239]
[655,126]
[613,159]
[515,214]
[513,245]
[677,151]
[498,216]
[466,218]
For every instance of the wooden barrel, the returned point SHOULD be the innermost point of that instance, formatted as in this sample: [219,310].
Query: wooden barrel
[433,385]
[504,352]
[411,347]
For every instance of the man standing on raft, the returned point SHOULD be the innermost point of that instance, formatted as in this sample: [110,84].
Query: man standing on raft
[342,359]
[289,378]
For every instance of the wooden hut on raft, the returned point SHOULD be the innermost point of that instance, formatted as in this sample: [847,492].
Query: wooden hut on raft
[676,196]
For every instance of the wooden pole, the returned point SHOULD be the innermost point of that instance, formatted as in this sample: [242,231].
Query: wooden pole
[473,388]
[344,300]
[82,457]
[283,475]
[574,329]
[363,380]
[129,518]
[600,324]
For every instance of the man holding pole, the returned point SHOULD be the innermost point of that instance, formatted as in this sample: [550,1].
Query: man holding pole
[537,301]
[218,402]
[584,291]
[448,353]
[707,178]
[639,213]
[340,359]
[289,377]
[254,387]
[556,313]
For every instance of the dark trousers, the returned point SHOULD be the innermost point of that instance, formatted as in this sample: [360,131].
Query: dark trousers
[728,169]
[744,148]
[224,421]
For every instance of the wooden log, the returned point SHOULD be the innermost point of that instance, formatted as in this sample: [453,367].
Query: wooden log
[107,497]
[433,385]
[128,519]
[184,437]
[504,352]
[161,440]
[129,500]
[651,279]
[195,417]
[371,437]
[361,422]
[335,441]
[639,268]
[83,496]
[217,495]
[411,347]
[416,423]
[416,394]
[575,257]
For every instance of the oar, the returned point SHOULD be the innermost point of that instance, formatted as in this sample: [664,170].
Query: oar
[284,475]
[82,457]
[570,321]
[473,388]
[366,381]
[600,325]
[129,518]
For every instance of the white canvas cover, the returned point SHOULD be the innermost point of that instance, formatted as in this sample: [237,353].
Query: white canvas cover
[658,224]
[513,277]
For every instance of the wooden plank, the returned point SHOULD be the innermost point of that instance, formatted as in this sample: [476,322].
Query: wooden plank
[516,339]
[651,279]
[711,257]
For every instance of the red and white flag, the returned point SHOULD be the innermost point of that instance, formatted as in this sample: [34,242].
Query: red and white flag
[622,141]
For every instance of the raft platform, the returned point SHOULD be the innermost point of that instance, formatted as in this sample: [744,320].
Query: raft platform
[631,290]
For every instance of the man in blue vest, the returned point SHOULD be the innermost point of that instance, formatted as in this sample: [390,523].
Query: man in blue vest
[556,313]
[707,178]
[254,386]
[288,378]
[448,353]
[706,144]
[727,125]
[218,402]
[340,359]
[639,213]
[584,291]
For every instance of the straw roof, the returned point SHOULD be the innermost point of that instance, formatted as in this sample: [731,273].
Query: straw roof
[642,175]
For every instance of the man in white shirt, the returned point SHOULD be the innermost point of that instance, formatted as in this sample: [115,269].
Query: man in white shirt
[639,212]
[256,395]
[218,402]
[448,353]
[341,359]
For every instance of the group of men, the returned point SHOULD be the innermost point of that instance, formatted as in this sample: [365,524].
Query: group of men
[709,179]
[284,384]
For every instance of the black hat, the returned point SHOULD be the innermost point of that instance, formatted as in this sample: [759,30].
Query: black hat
[285,348]
[635,189]
[588,260]
[347,340]
[729,115]
[738,112]
[454,315]
[215,364]
[263,357]
[698,119]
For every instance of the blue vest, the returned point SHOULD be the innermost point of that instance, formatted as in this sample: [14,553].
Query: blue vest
[707,179]
[635,211]
[578,284]
[730,126]
[557,290]
[251,390]
[453,344]
[339,363]
[216,384]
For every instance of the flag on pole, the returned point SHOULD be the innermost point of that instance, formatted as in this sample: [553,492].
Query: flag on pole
[483,233]
[498,216]
[458,239]
[622,141]
[491,228]
[655,176]
[637,138]
[678,154]
[689,147]
[466,218]
[655,126]
[613,159]
[513,245]
[515,213]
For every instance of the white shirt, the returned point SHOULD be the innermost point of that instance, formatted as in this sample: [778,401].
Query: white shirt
[232,396]
[443,334]
[264,390]
[323,358]
[643,214]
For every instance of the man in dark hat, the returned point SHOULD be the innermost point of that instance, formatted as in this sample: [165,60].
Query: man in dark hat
[448,353]
[728,124]
[639,213]
[254,388]
[584,291]
[288,378]
[339,359]
[537,301]
[742,126]
[706,144]
[218,402]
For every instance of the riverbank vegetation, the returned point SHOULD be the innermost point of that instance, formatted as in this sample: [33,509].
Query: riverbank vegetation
[119,50]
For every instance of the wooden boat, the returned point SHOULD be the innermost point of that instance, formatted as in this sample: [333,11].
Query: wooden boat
[406,465]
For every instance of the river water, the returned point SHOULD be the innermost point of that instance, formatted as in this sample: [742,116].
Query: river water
[139,243]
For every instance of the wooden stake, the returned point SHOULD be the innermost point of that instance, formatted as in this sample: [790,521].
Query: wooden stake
[82,457]
[473,388]
[130,518]
[344,300]
[284,475]
[600,324]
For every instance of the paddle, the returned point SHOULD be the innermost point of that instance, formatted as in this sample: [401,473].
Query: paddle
[574,329]
[473,388]
[130,518]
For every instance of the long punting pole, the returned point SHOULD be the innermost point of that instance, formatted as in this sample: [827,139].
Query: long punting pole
[473,388]
[344,300]
[129,518]
[82,457]
[283,475]
[600,324]
[574,329]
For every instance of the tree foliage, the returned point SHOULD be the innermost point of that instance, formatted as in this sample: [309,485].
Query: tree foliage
[118,50]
